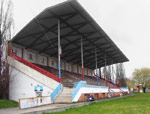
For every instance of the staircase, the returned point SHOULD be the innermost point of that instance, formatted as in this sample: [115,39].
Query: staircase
[34,72]
[65,96]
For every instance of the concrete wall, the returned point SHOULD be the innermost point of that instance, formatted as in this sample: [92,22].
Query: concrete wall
[115,90]
[85,71]
[125,89]
[79,70]
[53,62]
[89,72]
[31,57]
[43,59]
[22,86]
[69,67]
[33,73]
[17,51]
[62,65]
[75,69]
[89,90]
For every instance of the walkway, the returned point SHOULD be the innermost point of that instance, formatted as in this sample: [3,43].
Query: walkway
[51,108]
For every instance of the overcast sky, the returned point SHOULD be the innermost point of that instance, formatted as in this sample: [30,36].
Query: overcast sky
[127,22]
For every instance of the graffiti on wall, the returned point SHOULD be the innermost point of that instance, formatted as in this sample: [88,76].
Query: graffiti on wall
[38,90]
[42,60]
[17,51]
[31,57]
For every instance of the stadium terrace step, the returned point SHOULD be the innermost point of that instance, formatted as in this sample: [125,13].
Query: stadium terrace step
[65,96]
[68,78]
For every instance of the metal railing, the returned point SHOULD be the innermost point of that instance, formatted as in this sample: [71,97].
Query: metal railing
[42,71]
[107,81]
[56,91]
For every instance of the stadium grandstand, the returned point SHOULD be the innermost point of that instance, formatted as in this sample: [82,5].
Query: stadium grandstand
[59,54]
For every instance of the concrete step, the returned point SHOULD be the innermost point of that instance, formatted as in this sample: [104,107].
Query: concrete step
[65,96]
[67,91]
[68,88]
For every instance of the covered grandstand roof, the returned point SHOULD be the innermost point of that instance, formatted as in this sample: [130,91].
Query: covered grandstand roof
[41,35]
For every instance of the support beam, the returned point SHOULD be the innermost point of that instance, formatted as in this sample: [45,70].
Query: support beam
[76,40]
[95,29]
[96,66]
[100,74]
[59,50]
[77,31]
[65,38]
[113,78]
[105,71]
[82,59]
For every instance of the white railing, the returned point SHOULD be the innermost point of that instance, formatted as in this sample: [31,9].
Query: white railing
[34,102]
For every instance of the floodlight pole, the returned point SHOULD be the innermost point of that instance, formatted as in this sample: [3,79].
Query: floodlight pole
[59,49]
[96,66]
[82,59]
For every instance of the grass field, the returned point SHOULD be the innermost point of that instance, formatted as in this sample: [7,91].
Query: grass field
[4,103]
[137,104]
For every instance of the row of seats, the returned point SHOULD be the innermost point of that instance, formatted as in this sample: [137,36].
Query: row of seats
[68,78]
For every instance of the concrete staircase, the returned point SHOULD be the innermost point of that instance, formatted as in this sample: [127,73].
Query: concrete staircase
[65,96]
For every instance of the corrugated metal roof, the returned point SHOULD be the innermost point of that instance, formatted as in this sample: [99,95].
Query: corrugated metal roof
[41,35]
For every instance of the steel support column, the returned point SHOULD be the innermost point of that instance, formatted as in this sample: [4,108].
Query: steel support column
[59,50]
[96,66]
[82,59]
[105,72]
[100,75]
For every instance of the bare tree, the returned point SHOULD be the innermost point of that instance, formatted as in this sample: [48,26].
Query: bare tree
[4,82]
[107,72]
[6,27]
[104,72]
[6,20]
[120,74]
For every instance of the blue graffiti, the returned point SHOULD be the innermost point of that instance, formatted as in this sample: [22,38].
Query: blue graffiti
[38,87]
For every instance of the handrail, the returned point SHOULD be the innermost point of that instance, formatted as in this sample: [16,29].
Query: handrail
[124,88]
[56,91]
[42,71]
[78,85]
[110,82]
[93,86]
[114,87]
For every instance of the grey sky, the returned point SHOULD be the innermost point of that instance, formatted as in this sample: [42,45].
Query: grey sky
[127,22]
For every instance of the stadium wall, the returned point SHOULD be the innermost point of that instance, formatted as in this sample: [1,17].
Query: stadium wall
[43,59]
[23,79]
[90,90]
[82,88]
[22,86]
[125,89]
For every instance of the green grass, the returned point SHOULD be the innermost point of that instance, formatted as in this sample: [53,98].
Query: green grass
[137,104]
[4,103]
